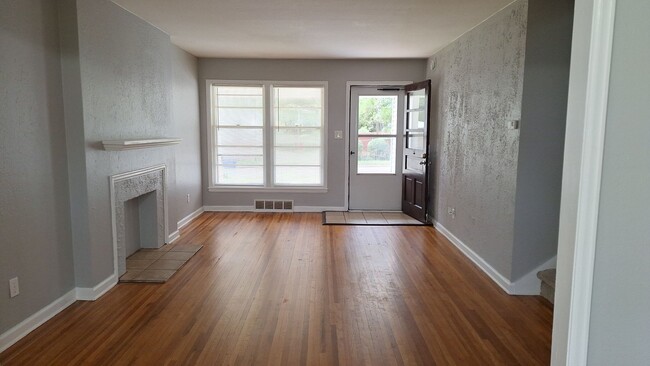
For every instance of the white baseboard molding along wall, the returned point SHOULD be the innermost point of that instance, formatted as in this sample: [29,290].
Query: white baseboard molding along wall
[526,285]
[92,294]
[13,335]
[173,237]
[252,209]
[187,219]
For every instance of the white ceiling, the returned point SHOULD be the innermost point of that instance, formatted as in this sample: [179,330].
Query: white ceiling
[313,28]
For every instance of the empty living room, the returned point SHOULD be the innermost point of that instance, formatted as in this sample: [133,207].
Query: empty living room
[285,182]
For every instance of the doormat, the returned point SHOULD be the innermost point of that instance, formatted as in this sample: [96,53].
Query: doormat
[157,265]
[369,218]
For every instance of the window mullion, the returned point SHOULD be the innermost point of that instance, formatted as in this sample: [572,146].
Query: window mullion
[268,135]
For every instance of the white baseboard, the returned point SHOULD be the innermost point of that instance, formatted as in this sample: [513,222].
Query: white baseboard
[229,208]
[317,208]
[187,219]
[526,285]
[529,284]
[173,237]
[13,335]
[497,277]
[252,209]
[92,294]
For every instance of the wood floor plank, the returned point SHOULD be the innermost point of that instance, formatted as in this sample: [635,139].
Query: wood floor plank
[282,289]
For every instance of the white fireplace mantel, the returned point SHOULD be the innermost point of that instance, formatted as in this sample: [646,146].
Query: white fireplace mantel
[118,145]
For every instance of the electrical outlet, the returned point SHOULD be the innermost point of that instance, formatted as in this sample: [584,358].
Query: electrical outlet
[14,288]
[188,198]
[512,124]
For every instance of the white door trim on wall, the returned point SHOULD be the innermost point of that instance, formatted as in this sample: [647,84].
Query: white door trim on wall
[346,131]
[587,113]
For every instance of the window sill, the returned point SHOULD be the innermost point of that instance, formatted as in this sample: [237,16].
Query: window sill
[269,189]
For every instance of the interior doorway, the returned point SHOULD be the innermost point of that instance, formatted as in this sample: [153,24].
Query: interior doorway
[376,121]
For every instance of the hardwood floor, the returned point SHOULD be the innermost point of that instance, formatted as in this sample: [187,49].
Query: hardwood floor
[282,289]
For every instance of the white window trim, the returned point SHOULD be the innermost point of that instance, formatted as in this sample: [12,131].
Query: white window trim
[269,158]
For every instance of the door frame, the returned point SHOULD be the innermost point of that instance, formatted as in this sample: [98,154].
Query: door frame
[591,51]
[346,131]
[381,179]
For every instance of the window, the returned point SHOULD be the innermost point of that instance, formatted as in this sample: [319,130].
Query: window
[267,135]
[377,134]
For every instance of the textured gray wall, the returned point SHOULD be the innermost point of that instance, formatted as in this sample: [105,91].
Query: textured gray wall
[620,321]
[121,77]
[336,73]
[476,89]
[126,84]
[541,138]
[35,241]
[74,127]
[186,123]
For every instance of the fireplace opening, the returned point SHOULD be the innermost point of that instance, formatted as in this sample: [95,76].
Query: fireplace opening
[140,223]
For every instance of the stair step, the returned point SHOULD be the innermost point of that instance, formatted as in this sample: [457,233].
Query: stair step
[547,289]
[547,276]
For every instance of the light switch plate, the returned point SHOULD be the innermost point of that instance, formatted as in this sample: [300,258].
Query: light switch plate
[14,288]
[338,135]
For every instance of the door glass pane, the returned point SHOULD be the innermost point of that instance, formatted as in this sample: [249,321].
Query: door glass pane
[415,140]
[376,155]
[413,163]
[417,99]
[416,119]
[378,114]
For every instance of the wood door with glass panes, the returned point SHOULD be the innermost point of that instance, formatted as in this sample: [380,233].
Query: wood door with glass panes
[415,157]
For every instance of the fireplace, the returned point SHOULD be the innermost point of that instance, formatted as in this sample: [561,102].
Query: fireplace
[144,192]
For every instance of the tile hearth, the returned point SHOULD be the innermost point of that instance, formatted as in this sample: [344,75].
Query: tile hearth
[157,265]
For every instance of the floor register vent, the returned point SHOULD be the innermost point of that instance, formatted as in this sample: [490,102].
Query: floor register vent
[271,205]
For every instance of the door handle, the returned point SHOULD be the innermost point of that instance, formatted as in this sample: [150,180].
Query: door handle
[352,152]
[423,162]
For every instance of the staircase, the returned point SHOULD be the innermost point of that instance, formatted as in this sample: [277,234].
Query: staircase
[548,284]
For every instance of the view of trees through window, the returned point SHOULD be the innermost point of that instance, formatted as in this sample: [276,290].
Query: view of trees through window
[377,134]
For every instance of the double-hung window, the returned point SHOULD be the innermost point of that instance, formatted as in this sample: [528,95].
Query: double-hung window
[267,135]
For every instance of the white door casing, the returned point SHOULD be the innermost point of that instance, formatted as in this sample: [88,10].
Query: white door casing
[374,188]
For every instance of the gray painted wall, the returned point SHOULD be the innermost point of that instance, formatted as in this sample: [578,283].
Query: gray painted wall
[35,238]
[620,321]
[541,138]
[126,88]
[476,89]
[336,73]
[185,112]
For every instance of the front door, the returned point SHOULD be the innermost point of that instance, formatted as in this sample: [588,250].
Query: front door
[415,154]
[376,115]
